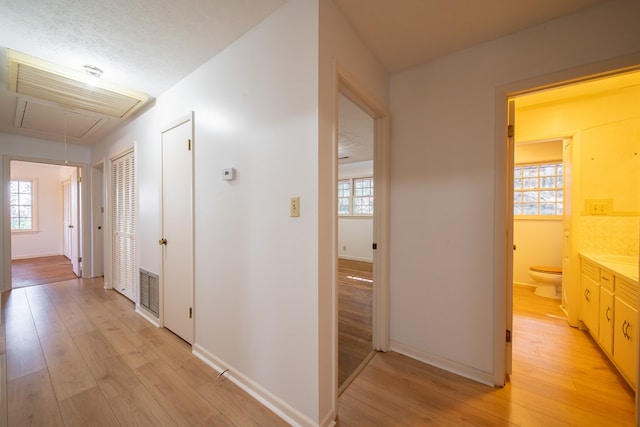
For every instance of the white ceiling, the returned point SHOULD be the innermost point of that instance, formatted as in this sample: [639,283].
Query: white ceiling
[404,33]
[149,45]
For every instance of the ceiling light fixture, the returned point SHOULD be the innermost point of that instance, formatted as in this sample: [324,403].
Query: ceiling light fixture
[92,70]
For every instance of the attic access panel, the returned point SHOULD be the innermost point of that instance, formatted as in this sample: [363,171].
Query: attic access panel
[36,78]
[55,120]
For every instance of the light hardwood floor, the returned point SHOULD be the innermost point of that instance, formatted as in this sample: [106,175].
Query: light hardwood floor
[78,355]
[355,289]
[560,378]
[38,271]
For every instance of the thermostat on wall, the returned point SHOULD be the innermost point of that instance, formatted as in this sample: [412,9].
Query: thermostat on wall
[229,174]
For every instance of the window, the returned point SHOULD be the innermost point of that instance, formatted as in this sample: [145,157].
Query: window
[537,189]
[21,205]
[344,196]
[363,196]
[355,196]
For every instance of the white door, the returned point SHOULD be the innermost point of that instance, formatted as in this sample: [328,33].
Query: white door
[510,246]
[66,230]
[177,229]
[123,215]
[74,225]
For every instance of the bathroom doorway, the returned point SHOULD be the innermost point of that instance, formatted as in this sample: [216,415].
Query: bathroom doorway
[570,114]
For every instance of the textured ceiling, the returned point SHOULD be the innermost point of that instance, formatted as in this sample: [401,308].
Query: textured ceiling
[149,45]
[146,45]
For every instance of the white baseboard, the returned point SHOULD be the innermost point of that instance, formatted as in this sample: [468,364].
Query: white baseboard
[355,258]
[274,403]
[148,317]
[442,363]
[13,258]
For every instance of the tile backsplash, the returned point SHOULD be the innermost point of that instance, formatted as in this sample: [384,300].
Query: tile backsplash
[615,235]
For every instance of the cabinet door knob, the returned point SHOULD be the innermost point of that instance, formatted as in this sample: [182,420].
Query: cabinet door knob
[607,314]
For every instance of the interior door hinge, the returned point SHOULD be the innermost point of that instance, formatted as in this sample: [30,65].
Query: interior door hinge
[508,335]
[510,131]
[189,144]
[374,246]
[190,313]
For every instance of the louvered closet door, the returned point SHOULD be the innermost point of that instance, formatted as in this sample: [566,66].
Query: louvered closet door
[123,202]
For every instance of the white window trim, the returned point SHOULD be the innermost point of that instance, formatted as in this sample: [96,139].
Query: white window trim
[34,207]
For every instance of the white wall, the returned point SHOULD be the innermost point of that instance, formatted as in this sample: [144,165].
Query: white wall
[355,233]
[445,159]
[256,276]
[47,241]
[538,242]
[341,51]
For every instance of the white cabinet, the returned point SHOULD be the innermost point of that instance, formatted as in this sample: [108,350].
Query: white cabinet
[608,308]
[590,296]
[605,330]
[625,354]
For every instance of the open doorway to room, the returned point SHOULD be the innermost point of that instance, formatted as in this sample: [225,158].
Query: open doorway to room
[44,223]
[576,174]
[355,238]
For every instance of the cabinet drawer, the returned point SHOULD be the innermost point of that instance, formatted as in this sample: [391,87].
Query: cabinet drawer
[627,291]
[592,271]
[606,279]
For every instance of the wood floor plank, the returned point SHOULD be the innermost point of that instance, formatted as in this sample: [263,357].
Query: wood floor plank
[184,405]
[24,357]
[128,345]
[32,402]
[68,369]
[236,405]
[88,408]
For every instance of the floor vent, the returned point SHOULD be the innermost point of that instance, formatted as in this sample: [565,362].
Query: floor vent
[149,291]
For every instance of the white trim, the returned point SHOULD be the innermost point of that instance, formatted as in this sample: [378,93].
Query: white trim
[446,364]
[271,401]
[46,254]
[148,317]
[355,258]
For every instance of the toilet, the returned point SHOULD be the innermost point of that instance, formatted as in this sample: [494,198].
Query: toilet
[548,281]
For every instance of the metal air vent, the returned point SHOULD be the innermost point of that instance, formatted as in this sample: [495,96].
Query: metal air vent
[72,89]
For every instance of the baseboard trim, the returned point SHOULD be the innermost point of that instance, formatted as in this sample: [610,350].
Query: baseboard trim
[147,316]
[446,364]
[274,403]
[355,258]
[48,254]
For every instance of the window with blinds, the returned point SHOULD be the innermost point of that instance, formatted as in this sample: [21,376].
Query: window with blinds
[123,211]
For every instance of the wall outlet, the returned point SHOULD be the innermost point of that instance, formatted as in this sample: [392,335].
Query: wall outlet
[599,206]
[294,207]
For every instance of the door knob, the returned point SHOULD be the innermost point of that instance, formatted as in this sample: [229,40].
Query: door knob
[162,242]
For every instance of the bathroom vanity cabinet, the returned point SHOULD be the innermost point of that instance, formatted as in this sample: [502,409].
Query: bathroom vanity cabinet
[608,309]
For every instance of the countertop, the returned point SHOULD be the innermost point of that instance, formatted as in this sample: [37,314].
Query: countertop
[620,265]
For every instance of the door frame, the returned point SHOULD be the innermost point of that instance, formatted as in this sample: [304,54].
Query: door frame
[355,92]
[503,158]
[84,248]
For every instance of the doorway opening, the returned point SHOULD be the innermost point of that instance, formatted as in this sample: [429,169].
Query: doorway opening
[362,237]
[356,189]
[45,225]
[591,127]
